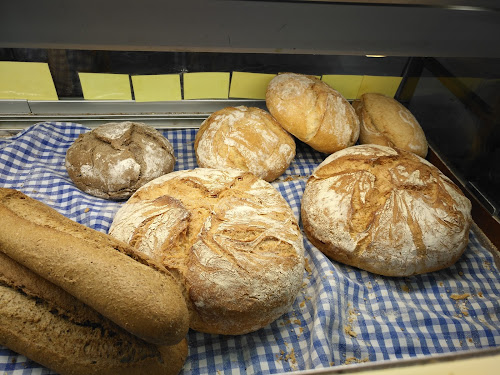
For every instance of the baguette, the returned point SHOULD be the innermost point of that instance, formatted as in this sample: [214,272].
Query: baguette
[128,288]
[44,323]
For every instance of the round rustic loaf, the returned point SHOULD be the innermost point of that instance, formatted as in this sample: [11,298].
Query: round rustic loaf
[312,111]
[384,121]
[114,160]
[230,236]
[386,211]
[249,139]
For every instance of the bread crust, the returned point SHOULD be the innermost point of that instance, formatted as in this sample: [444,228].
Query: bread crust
[231,237]
[245,138]
[384,121]
[115,159]
[312,111]
[133,291]
[48,325]
[386,211]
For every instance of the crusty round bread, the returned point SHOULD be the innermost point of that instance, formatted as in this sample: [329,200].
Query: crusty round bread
[229,235]
[384,121]
[312,111]
[249,139]
[386,211]
[114,160]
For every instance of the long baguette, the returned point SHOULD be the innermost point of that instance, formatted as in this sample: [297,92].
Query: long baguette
[104,273]
[44,323]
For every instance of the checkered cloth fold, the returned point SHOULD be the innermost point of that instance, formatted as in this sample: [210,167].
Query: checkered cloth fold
[342,315]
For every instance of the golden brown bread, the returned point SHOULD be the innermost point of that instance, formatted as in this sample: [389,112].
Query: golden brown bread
[312,111]
[109,276]
[245,138]
[231,236]
[386,211]
[384,121]
[48,325]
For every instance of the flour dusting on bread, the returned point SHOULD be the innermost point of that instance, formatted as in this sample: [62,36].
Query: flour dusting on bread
[385,210]
[312,111]
[230,235]
[244,138]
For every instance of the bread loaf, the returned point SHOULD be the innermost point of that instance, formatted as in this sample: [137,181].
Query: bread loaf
[384,121]
[312,111]
[126,287]
[231,236]
[249,139]
[48,325]
[386,211]
[114,159]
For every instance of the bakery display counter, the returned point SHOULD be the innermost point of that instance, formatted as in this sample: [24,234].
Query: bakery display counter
[437,58]
[343,320]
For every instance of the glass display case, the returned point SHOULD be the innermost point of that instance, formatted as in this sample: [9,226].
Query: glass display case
[446,58]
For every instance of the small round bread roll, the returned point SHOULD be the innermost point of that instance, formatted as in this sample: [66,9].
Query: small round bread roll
[230,236]
[384,121]
[312,111]
[113,160]
[386,211]
[249,139]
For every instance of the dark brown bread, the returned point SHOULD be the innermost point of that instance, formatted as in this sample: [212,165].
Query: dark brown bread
[104,273]
[48,325]
[115,159]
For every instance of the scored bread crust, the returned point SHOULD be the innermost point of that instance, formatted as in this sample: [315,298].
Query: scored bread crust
[133,291]
[230,235]
[245,138]
[385,121]
[386,211]
[48,325]
[115,159]
[312,111]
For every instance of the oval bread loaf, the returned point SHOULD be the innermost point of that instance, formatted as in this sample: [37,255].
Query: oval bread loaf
[249,139]
[231,236]
[386,211]
[312,111]
[114,159]
[384,121]
[128,288]
[48,325]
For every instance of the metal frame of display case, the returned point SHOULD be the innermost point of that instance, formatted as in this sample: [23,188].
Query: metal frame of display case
[396,28]
[420,29]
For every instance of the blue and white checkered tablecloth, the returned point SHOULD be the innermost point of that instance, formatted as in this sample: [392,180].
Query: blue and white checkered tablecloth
[342,315]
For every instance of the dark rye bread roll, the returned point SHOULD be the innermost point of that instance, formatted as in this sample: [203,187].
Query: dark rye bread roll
[44,323]
[128,288]
[386,211]
[245,138]
[115,159]
[384,121]
[231,236]
[312,111]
